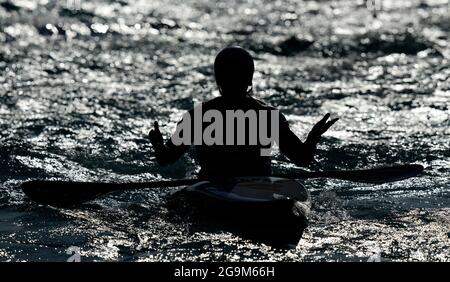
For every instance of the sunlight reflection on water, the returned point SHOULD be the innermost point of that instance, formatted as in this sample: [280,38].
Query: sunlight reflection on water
[81,87]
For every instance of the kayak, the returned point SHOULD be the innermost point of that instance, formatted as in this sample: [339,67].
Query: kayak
[269,210]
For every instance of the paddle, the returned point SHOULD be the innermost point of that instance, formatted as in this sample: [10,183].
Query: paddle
[374,175]
[68,193]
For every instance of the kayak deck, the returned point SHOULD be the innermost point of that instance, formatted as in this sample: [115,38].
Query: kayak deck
[265,209]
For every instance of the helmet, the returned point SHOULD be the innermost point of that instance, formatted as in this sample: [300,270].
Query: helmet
[233,69]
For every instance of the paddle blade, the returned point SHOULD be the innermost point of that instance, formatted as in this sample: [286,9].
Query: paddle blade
[64,194]
[376,175]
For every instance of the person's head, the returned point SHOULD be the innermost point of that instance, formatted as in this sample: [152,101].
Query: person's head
[233,69]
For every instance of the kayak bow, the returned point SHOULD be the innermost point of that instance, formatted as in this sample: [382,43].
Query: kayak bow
[270,210]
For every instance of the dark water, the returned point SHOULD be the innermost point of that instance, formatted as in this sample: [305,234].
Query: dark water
[81,83]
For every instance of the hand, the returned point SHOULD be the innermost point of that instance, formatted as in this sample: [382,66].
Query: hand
[320,128]
[155,135]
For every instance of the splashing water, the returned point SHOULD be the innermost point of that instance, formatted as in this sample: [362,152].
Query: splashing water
[81,83]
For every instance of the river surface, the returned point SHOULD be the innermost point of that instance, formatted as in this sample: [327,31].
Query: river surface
[82,81]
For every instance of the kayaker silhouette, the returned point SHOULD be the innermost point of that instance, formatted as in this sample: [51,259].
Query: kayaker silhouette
[233,70]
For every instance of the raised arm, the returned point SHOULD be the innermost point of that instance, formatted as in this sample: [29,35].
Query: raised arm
[166,153]
[302,153]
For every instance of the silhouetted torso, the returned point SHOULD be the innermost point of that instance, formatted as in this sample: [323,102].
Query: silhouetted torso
[233,160]
[239,160]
